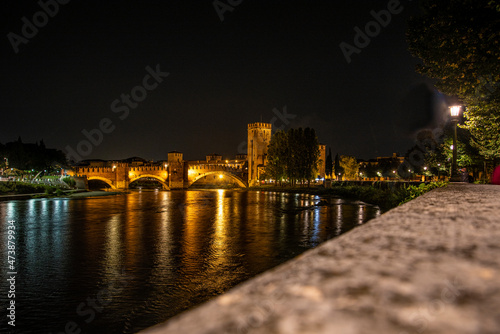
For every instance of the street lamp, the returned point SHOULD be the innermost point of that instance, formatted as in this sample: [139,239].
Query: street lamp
[455,112]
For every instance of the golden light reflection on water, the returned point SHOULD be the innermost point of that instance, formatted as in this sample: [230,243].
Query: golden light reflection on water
[180,247]
[193,222]
[164,246]
[112,254]
[339,219]
[219,248]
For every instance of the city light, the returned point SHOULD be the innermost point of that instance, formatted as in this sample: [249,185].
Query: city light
[454,111]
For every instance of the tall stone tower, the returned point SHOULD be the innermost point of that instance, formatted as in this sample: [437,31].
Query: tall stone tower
[175,170]
[259,137]
[322,161]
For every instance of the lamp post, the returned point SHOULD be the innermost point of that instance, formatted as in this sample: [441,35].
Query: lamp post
[454,111]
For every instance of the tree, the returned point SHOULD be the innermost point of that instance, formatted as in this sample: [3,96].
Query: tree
[293,155]
[277,155]
[294,160]
[483,122]
[25,156]
[311,155]
[458,42]
[329,163]
[350,166]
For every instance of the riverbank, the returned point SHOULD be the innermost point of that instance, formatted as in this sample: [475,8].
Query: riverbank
[23,188]
[63,194]
[429,266]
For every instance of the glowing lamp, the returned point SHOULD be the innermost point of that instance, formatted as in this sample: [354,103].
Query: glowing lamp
[455,111]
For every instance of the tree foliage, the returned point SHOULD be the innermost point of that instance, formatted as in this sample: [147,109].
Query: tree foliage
[293,155]
[458,42]
[31,156]
[483,122]
[350,166]
[277,156]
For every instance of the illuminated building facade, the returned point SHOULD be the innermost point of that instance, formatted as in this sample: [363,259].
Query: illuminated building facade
[259,137]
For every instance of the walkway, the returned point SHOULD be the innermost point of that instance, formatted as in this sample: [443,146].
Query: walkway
[429,266]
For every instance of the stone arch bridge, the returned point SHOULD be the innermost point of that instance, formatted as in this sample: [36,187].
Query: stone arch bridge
[171,176]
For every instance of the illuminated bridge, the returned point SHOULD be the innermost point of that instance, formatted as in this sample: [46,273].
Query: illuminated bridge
[173,174]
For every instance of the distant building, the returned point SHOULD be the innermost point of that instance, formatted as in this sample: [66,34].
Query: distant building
[241,157]
[93,163]
[135,161]
[382,160]
[214,157]
[393,158]
[385,167]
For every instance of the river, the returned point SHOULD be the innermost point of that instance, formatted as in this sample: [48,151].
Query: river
[119,264]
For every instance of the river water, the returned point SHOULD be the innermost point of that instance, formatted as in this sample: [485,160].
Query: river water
[119,264]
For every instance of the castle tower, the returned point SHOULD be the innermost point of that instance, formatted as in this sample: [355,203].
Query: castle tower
[175,170]
[259,137]
[322,161]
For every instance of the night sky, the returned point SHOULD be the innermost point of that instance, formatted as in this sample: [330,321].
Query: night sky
[222,75]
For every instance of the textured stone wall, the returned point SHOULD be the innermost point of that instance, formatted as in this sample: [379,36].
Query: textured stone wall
[429,266]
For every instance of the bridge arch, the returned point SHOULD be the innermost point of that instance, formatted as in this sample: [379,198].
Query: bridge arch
[103,179]
[159,179]
[238,180]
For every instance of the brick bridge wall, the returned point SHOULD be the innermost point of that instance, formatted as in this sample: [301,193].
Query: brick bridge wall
[174,176]
[197,171]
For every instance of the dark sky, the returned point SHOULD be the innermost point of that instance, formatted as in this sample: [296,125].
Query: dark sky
[223,75]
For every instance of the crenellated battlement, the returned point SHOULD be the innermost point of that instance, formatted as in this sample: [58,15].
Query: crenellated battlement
[259,125]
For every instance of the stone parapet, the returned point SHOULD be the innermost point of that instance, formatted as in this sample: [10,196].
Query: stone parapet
[429,266]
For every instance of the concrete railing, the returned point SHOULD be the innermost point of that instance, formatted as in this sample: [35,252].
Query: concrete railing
[429,266]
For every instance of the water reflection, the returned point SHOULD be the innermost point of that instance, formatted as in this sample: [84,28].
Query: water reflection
[177,248]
